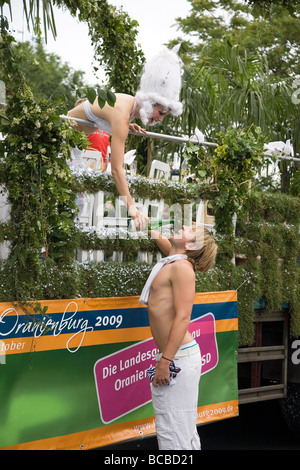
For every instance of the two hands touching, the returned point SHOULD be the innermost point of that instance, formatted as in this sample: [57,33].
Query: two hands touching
[141,221]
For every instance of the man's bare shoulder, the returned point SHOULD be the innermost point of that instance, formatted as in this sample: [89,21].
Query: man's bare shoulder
[183,270]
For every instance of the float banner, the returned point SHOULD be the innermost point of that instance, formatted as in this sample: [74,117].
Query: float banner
[74,376]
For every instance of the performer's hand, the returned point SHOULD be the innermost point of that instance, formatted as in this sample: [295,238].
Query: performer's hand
[162,374]
[137,129]
[141,221]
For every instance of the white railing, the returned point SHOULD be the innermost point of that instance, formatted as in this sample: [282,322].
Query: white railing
[183,140]
[153,135]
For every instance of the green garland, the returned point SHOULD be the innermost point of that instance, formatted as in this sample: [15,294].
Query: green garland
[113,35]
[139,186]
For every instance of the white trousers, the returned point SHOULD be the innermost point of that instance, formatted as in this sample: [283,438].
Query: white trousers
[175,405]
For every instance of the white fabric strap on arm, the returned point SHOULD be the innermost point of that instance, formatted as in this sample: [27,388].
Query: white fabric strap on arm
[169,259]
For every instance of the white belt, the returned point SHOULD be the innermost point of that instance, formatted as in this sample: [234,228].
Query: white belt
[189,351]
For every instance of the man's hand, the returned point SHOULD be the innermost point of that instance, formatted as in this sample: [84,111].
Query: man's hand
[162,373]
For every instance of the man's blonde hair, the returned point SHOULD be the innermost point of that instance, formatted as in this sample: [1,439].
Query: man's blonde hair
[204,256]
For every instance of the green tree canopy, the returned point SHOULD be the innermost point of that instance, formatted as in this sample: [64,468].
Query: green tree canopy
[273,31]
[47,75]
[266,5]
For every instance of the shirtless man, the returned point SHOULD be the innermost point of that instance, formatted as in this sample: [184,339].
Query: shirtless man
[170,297]
[158,95]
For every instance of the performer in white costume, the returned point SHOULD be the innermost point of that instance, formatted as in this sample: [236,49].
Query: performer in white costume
[157,96]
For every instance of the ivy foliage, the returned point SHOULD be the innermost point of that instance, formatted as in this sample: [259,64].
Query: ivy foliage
[34,170]
[228,171]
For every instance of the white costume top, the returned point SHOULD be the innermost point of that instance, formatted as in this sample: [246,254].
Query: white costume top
[102,123]
[169,259]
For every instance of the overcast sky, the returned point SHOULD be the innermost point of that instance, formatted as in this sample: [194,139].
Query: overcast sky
[156,20]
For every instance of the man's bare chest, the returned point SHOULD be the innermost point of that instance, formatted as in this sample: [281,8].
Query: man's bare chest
[163,279]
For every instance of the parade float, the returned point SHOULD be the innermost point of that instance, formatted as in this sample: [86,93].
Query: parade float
[74,341]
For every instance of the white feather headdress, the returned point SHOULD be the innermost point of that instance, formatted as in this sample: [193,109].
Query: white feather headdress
[161,84]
